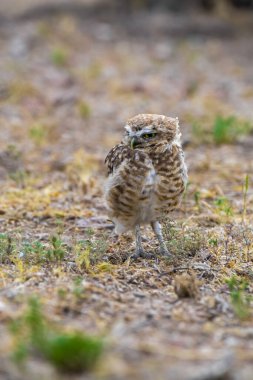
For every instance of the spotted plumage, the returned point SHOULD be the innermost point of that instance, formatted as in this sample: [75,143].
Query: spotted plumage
[147,175]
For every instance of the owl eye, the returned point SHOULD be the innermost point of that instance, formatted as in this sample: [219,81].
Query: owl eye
[148,135]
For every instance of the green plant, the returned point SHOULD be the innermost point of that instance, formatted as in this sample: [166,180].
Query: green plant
[222,130]
[35,323]
[59,56]
[214,245]
[240,300]
[82,255]
[29,331]
[223,205]
[36,252]
[228,129]
[56,252]
[182,241]
[38,133]
[84,110]
[104,267]
[68,352]
[197,199]
[89,251]
[213,242]
[73,352]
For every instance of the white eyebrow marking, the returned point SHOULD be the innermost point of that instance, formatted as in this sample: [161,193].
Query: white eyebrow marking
[127,128]
[147,129]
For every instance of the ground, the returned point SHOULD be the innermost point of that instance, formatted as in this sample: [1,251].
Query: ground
[68,84]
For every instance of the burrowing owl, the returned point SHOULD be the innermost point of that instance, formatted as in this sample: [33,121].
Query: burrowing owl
[147,176]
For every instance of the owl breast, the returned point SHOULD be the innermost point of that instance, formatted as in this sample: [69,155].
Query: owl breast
[145,187]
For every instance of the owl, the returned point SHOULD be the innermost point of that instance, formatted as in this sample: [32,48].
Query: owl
[147,176]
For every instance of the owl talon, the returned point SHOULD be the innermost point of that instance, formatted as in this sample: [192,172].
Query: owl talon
[166,253]
[141,253]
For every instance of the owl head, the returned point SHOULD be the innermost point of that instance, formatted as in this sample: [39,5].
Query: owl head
[149,130]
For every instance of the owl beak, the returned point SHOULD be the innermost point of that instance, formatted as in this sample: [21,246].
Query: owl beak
[133,142]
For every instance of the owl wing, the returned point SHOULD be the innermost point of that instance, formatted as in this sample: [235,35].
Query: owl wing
[130,183]
[117,155]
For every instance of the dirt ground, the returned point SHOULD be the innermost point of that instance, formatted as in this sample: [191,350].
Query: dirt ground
[68,83]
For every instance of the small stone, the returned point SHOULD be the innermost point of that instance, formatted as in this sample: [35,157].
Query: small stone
[186,285]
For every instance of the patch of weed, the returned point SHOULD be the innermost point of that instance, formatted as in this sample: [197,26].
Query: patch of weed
[38,133]
[37,252]
[223,206]
[82,252]
[89,252]
[59,56]
[197,197]
[104,267]
[34,252]
[28,331]
[228,129]
[182,241]
[240,300]
[73,352]
[68,352]
[84,109]
[57,251]
[222,130]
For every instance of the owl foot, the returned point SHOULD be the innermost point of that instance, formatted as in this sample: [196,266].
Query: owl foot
[141,253]
[165,253]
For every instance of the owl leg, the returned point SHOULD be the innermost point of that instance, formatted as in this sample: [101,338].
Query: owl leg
[139,252]
[156,226]
[114,236]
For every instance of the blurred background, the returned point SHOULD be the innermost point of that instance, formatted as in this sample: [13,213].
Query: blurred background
[72,72]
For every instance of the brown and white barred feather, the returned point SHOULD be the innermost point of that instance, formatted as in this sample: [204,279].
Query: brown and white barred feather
[146,183]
